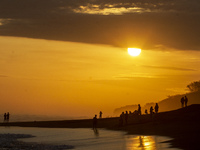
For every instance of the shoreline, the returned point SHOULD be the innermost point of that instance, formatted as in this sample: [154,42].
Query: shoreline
[182,125]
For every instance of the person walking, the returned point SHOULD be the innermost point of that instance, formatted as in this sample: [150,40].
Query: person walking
[182,102]
[139,110]
[151,111]
[100,114]
[156,108]
[8,117]
[95,122]
[5,117]
[186,101]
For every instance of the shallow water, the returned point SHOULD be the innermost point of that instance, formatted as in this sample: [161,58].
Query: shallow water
[87,139]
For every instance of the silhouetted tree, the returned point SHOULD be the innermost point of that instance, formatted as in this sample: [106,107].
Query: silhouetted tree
[194,86]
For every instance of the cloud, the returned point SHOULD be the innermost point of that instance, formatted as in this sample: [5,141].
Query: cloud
[170,68]
[123,23]
[138,75]
[3,76]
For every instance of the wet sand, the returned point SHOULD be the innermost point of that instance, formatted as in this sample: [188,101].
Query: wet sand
[183,125]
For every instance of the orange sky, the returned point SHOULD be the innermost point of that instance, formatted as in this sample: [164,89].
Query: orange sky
[75,79]
[69,57]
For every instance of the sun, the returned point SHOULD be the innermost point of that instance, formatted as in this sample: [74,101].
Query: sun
[134,51]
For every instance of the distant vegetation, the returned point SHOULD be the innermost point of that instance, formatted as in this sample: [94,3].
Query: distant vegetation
[170,103]
[194,86]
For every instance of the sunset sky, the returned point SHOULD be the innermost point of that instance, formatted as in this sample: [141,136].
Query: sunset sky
[69,57]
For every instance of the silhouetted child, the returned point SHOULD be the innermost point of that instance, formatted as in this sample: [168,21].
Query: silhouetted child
[146,111]
[186,101]
[139,109]
[182,102]
[151,111]
[156,108]
[100,114]
[95,122]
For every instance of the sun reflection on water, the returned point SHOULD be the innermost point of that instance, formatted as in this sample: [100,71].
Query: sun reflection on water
[142,143]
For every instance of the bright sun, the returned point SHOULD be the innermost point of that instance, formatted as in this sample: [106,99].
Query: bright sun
[134,51]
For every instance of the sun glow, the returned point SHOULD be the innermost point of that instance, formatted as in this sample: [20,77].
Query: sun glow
[134,51]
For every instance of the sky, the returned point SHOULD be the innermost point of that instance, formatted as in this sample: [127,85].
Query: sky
[69,57]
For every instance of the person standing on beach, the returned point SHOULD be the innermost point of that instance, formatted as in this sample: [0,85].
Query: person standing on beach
[100,114]
[151,111]
[126,117]
[5,117]
[139,110]
[95,122]
[182,102]
[121,119]
[186,101]
[156,108]
[8,117]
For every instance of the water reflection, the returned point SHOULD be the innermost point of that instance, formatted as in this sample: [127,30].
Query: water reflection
[146,143]
[96,132]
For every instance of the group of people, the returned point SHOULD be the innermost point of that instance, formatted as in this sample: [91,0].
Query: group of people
[124,116]
[6,117]
[152,110]
[123,119]
[184,101]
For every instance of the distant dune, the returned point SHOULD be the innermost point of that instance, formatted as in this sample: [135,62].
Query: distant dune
[170,103]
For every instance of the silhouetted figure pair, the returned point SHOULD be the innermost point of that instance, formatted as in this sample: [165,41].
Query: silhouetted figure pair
[100,114]
[6,117]
[95,122]
[184,101]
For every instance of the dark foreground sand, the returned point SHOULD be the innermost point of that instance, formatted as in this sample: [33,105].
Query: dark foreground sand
[183,125]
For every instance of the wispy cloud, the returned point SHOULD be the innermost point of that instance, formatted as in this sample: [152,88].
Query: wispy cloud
[3,76]
[137,75]
[169,68]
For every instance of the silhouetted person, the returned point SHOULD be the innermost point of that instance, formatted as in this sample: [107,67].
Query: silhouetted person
[121,119]
[182,102]
[126,117]
[8,116]
[151,111]
[95,122]
[186,101]
[146,111]
[139,109]
[156,108]
[5,117]
[100,114]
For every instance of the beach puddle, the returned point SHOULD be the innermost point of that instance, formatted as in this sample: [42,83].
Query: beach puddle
[88,139]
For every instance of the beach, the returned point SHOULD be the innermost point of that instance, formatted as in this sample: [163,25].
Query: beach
[181,125]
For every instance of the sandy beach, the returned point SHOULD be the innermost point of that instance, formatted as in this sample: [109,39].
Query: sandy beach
[182,125]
